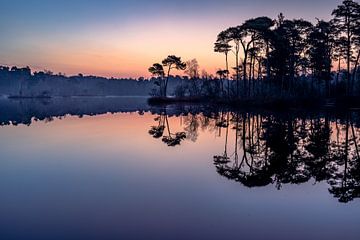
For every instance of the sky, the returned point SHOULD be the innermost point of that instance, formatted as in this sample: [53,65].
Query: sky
[122,38]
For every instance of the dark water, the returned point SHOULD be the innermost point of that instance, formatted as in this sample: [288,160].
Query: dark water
[120,169]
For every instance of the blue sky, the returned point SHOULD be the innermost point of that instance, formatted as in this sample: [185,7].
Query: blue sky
[107,37]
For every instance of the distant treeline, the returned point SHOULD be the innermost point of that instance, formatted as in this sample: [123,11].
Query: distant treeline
[21,82]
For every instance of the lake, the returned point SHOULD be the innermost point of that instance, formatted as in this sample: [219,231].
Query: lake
[116,168]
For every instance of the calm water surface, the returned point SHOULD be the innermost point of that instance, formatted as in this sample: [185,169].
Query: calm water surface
[179,175]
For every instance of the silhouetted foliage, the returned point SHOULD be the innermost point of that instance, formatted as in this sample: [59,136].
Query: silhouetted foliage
[346,23]
[162,130]
[170,63]
[293,58]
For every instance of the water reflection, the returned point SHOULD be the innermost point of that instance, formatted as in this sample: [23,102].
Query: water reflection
[259,148]
[279,149]
[169,138]
[27,111]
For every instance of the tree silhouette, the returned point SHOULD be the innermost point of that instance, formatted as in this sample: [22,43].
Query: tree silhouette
[234,34]
[192,69]
[357,58]
[319,54]
[158,71]
[222,76]
[293,55]
[256,34]
[339,54]
[347,21]
[172,62]
[222,46]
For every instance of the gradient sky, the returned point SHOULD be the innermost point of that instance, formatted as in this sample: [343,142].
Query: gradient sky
[117,38]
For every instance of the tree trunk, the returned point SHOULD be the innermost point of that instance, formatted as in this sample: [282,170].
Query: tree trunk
[348,57]
[244,70]
[338,76]
[346,150]
[250,74]
[253,75]
[227,134]
[355,70]
[167,80]
[237,71]
[267,61]
[227,75]
[259,77]
[292,69]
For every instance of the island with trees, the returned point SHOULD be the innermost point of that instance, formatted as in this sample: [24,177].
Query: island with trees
[278,62]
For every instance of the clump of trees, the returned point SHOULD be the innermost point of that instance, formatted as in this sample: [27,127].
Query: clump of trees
[278,58]
[294,57]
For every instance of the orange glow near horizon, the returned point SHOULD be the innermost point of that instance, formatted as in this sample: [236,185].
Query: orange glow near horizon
[122,55]
[126,51]
[112,46]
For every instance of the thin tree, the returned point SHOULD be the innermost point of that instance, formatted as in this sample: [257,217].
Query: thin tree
[192,68]
[251,32]
[222,75]
[222,46]
[319,51]
[234,34]
[172,62]
[357,48]
[157,70]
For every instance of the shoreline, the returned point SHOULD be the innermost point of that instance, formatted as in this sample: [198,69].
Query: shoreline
[265,103]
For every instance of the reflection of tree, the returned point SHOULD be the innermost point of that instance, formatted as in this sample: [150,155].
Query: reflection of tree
[250,170]
[284,162]
[273,149]
[287,150]
[171,139]
[345,182]
[192,127]
[195,122]
[158,131]
[319,162]
[222,159]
